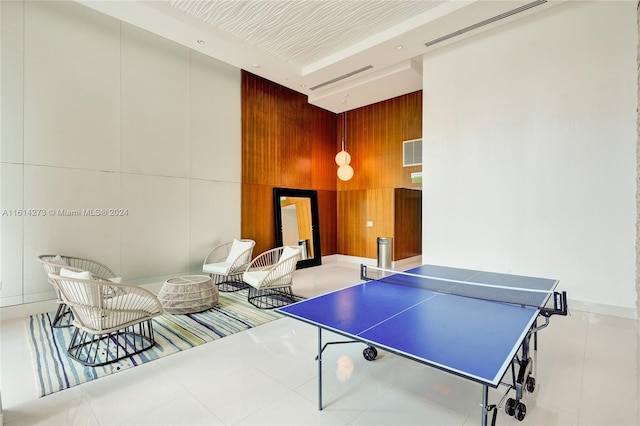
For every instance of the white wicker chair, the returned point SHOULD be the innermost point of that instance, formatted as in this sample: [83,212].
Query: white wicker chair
[270,277]
[52,264]
[227,262]
[112,321]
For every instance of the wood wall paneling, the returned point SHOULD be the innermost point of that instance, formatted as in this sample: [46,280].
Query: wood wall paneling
[257,216]
[357,208]
[260,154]
[374,136]
[328,212]
[286,143]
[350,214]
[408,223]
[294,141]
[379,210]
[323,151]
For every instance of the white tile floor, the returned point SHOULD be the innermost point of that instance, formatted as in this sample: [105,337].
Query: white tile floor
[587,374]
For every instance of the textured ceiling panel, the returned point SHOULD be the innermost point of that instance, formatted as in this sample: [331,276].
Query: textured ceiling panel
[369,50]
[303,31]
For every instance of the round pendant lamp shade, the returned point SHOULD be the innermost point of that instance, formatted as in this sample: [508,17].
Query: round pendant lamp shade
[345,172]
[342,158]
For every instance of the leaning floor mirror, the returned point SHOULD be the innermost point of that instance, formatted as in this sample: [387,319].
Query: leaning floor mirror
[297,223]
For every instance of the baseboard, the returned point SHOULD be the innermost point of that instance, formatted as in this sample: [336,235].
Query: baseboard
[26,309]
[344,260]
[354,260]
[409,262]
[602,309]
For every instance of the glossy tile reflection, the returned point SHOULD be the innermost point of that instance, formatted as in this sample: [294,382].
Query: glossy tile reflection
[587,374]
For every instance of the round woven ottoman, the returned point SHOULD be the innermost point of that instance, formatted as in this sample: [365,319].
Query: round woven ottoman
[188,294]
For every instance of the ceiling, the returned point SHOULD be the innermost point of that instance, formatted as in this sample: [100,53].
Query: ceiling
[342,54]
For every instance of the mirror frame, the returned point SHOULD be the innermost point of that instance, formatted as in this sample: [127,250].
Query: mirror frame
[315,221]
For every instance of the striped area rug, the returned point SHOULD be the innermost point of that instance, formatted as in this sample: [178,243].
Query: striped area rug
[55,371]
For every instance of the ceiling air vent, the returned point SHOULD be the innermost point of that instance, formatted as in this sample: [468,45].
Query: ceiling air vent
[412,153]
[486,22]
[342,77]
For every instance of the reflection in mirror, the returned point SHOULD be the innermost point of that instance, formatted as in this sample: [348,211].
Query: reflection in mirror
[297,224]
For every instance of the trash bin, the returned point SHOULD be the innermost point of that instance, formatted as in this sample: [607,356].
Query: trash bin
[304,249]
[385,252]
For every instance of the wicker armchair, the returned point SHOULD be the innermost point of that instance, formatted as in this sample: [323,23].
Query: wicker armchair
[270,277]
[52,264]
[226,263]
[112,321]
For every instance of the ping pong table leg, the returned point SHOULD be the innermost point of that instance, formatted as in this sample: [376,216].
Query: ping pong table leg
[485,404]
[320,368]
[486,408]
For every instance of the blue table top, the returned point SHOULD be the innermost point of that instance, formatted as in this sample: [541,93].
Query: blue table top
[473,338]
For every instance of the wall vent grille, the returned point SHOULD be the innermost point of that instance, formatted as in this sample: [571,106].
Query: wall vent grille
[342,77]
[486,22]
[412,153]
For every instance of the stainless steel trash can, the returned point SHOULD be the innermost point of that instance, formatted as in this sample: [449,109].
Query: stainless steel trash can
[385,252]
[304,249]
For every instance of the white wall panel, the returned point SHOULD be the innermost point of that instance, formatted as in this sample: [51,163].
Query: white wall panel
[71,87]
[215,217]
[11,81]
[215,120]
[155,105]
[11,230]
[529,150]
[155,234]
[67,195]
[110,117]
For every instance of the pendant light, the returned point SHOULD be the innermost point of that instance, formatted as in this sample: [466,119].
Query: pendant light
[343,158]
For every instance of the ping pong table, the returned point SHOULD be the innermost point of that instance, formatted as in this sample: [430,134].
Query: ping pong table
[474,324]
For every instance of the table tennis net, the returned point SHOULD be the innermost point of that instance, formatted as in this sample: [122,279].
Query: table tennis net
[498,293]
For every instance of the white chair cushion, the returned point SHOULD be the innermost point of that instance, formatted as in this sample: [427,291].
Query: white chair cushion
[87,297]
[288,252]
[58,260]
[254,278]
[237,248]
[221,268]
[83,275]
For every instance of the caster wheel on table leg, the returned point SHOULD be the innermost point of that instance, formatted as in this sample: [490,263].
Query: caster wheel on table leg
[370,353]
[530,384]
[510,407]
[521,411]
